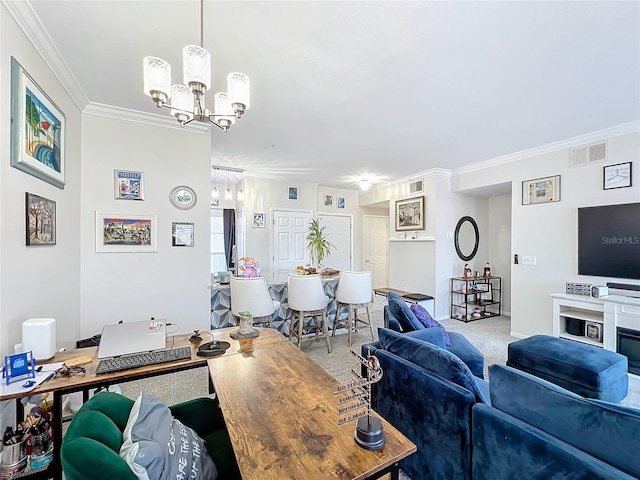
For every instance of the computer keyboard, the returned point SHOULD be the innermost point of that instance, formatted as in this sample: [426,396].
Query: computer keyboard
[116,364]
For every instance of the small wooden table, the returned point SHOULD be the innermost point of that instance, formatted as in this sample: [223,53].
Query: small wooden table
[282,416]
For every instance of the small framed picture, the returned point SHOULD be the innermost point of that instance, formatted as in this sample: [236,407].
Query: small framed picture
[258,220]
[293,193]
[341,202]
[182,234]
[126,233]
[616,176]
[129,185]
[41,220]
[328,200]
[541,190]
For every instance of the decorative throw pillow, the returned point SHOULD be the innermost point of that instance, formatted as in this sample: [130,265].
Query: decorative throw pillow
[427,320]
[403,313]
[157,446]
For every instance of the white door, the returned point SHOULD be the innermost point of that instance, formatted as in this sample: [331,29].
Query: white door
[338,230]
[289,242]
[376,249]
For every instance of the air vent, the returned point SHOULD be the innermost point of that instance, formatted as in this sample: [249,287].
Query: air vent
[416,187]
[596,152]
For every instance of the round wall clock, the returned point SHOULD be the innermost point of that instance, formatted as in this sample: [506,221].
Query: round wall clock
[183,197]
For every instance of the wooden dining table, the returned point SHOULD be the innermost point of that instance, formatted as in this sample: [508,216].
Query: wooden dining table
[282,416]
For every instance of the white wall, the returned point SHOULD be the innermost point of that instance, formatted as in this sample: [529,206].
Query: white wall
[37,281]
[498,236]
[549,231]
[172,283]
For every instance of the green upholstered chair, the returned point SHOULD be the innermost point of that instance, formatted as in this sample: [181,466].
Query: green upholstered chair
[91,445]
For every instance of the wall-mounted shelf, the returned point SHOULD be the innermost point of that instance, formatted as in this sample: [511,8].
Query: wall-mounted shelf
[421,239]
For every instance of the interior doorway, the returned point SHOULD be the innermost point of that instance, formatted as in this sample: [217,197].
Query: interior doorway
[376,249]
[339,230]
[289,244]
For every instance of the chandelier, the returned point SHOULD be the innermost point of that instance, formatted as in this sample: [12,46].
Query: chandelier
[188,100]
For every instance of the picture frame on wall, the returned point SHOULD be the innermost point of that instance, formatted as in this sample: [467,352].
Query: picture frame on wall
[328,200]
[410,214]
[182,234]
[258,220]
[40,220]
[617,176]
[293,193]
[118,232]
[128,185]
[541,190]
[342,203]
[38,129]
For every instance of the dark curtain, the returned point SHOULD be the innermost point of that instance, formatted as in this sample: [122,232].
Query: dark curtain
[229,219]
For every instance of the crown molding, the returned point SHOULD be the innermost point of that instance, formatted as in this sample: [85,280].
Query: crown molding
[28,21]
[324,188]
[102,110]
[592,137]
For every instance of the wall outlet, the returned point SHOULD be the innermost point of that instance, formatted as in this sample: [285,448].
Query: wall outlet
[528,260]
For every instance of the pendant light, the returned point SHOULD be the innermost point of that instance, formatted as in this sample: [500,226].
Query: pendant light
[228,195]
[215,195]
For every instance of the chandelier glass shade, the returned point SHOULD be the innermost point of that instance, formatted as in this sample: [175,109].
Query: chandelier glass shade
[188,99]
[365,184]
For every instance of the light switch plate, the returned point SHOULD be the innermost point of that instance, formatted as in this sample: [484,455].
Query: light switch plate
[528,260]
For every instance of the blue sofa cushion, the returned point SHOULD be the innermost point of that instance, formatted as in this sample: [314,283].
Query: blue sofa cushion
[427,320]
[468,353]
[432,358]
[606,431]
[431,335]
[403,313]
[390,320]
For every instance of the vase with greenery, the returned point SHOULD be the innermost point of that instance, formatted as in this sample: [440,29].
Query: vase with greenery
[319,247]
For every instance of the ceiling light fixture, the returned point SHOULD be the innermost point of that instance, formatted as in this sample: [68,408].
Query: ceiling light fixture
[188,100]
[215,195]
[365,184]
[228,195]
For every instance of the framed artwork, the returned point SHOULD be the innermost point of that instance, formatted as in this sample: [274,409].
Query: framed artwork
[183,197]
[616,176]
[541,190]
[38,128]
[182,234]
[41,220]
[410,214]
[293,193]
[328,200]
[215,202]
[341,202]
[128,185]
[126,233]
[258,220]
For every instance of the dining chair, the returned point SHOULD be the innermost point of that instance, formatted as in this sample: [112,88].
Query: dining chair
[252,294]
[353,292]
[307,299]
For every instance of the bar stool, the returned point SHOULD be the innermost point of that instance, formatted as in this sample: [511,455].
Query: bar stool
[354,292]
[307,299]
[252,294]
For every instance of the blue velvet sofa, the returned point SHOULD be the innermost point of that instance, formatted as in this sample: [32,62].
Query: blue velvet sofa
[537,430]
[399,317]
[523,427]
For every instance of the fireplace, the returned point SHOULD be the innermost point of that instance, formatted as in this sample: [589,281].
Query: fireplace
[628,344]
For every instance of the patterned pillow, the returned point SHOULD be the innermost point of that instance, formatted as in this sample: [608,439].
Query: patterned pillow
[423,316]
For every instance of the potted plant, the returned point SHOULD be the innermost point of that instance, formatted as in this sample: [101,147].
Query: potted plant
[319,247]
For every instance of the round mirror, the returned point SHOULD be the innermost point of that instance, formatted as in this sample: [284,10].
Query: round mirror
[466,238]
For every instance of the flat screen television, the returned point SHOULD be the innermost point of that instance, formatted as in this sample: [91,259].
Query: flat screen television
[609,241]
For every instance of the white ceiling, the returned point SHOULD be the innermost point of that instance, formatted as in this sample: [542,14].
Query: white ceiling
[384,88]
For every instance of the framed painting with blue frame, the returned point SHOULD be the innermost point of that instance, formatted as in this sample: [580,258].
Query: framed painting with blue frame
[38,129]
